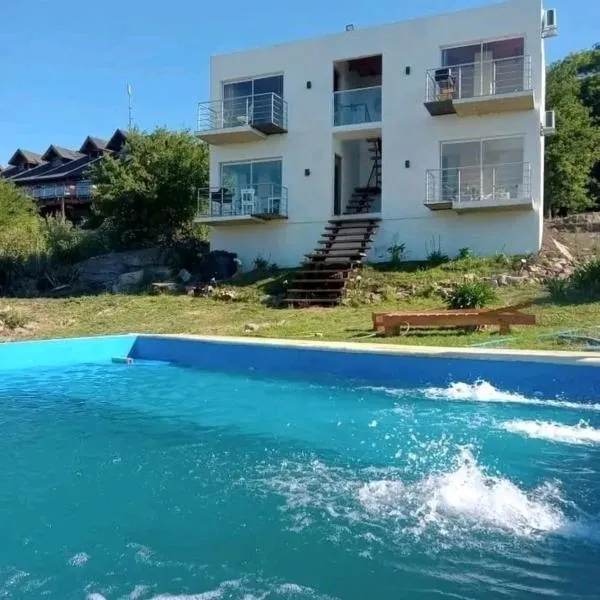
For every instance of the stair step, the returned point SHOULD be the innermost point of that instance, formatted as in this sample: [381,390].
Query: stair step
[350,236]
[371,189]
[366,221]
[345,240]
[320,271]
[316,280]
[316,291]
[313,300]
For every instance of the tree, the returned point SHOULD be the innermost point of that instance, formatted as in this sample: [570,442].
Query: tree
[21,239]
[149,193]
[20,224]
[572,153]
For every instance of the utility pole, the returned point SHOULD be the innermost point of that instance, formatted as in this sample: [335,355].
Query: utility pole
[130,106]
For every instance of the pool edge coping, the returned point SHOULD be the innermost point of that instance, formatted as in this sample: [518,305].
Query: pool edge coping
[544,356]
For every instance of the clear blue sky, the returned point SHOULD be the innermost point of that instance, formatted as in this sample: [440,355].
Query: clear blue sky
[64,64]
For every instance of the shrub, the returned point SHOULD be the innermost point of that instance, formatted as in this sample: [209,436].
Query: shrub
[435,256]
[471,294]
[582,285]
[11,319]
[397,253]
[261,265]
[465,253]
[186,248]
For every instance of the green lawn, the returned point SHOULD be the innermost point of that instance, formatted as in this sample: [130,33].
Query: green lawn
[93,315]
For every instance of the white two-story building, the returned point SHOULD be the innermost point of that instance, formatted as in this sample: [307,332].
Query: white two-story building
[435,126]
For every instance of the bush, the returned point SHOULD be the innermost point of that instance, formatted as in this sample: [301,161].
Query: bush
[437,258]
[582,285]
[465,253]
[471,294]
[397,253]
[260,264]
[187,248]
[67,244]
[21,240]
[11,319]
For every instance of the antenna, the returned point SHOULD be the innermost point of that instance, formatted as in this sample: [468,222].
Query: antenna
[130,106]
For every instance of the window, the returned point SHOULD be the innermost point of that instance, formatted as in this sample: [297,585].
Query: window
[258,182]
[253,101]
[482,169]
[487,68]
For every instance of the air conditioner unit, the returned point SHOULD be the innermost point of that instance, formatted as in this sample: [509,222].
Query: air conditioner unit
[549,26]
[549,125]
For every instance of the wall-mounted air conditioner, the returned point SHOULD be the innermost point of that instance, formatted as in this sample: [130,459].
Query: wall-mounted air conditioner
[549,124]
[549,25]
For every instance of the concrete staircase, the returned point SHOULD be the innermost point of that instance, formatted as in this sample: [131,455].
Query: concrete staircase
[322,279]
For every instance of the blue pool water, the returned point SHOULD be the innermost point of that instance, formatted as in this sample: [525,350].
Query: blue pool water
[157,481]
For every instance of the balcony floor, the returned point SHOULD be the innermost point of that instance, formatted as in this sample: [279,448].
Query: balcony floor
[232,135]
[227,220]
[493,205]
[482,105]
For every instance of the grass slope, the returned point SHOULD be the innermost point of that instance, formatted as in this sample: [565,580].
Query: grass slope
[103,314]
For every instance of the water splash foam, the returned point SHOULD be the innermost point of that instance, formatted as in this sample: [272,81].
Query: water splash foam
[483,391]
[581,434]
[450,503]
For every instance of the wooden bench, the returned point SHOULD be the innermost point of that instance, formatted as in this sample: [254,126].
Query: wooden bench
[389,322]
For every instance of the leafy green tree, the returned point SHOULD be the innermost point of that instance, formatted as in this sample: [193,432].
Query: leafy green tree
[20,224]
[149,193]
[21,239]
[572,153]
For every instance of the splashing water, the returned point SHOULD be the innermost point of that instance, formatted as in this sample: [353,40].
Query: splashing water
[483,391]
[581,434]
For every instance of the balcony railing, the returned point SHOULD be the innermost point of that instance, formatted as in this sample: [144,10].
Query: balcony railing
[264,200]
[262,111]
[353,107]
[478,79]
[81,189]
[495,185]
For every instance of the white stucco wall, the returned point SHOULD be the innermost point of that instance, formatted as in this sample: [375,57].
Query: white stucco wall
[408,133]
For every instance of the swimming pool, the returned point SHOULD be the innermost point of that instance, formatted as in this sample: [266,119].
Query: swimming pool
[209,470]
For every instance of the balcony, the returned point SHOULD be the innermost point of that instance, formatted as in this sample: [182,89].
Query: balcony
[258,203]
[242,119]
[481,87]
[73,193]
[480,188]
[358,108]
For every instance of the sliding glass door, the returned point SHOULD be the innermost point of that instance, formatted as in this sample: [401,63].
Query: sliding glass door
[253,185]
[253,101]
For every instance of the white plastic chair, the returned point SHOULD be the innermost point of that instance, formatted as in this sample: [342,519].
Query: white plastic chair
[247,199]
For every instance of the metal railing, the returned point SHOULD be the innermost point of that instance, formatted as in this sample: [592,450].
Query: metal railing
[239,111]
[479,79]
[81,189]
[353,107]
[257,199]
[485,183]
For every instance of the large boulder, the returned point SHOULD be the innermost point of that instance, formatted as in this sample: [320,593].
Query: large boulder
[101,273]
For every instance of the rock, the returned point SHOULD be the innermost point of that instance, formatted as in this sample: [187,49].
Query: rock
[515,279]
[251,327]
[502,279]
[184,275]
[226,295]
[160,272]
[102,272]
[129,281]
[164,286]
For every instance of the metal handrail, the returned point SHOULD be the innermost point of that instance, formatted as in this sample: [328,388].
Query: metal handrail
[495,77]
[501,182]
[250,200]
[80,189]
[240,111]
